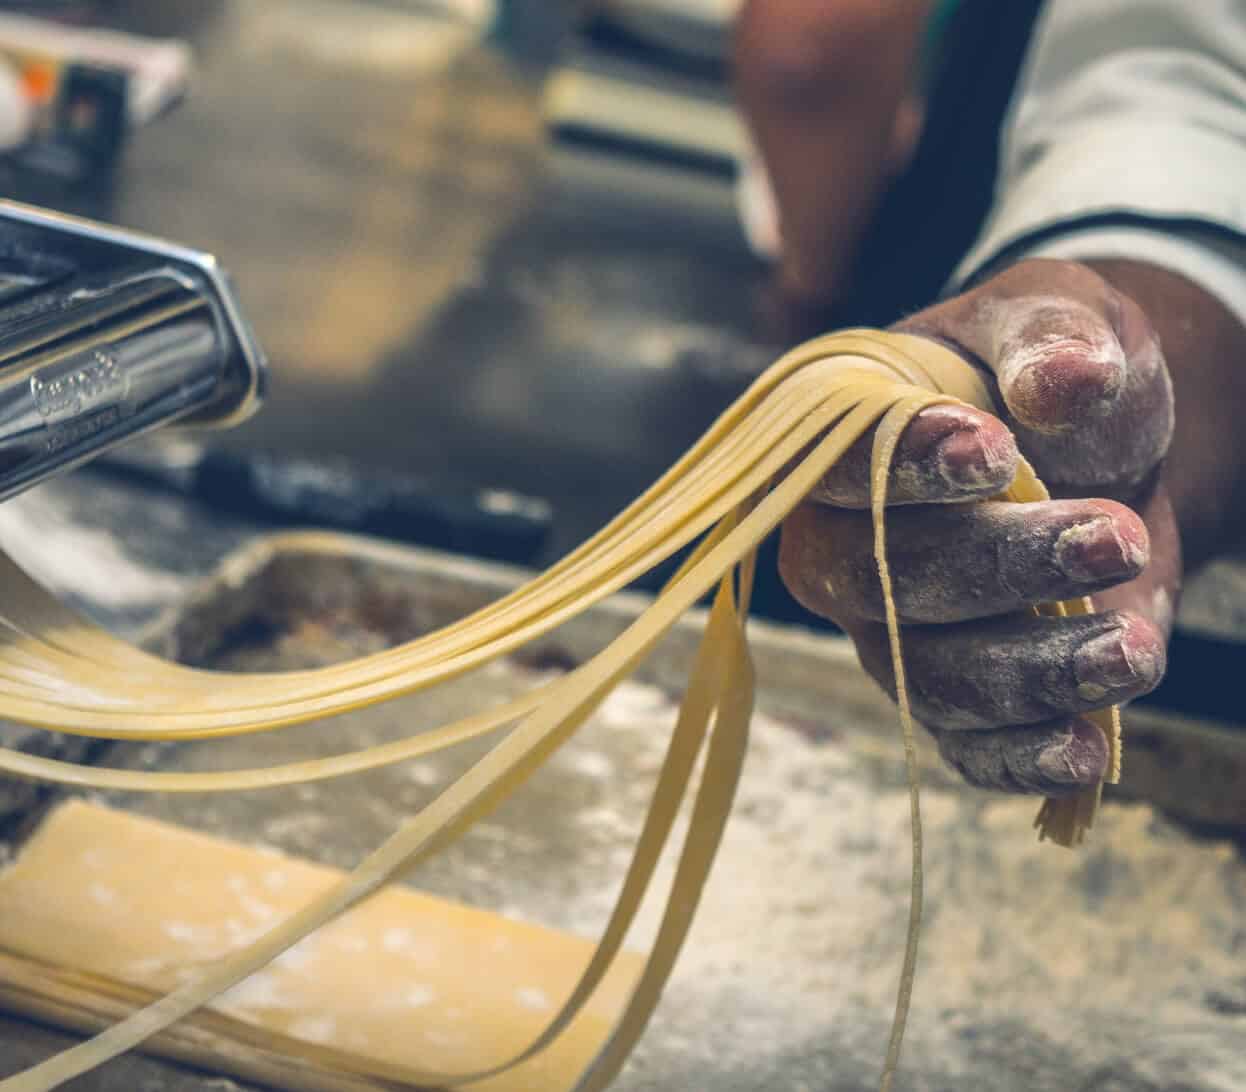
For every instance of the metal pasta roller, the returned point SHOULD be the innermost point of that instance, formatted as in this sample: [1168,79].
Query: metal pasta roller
[106,334]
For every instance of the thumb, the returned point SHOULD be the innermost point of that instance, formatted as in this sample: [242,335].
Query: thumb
[1079,369]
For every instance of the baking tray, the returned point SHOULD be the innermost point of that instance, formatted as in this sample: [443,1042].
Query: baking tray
[1116,968]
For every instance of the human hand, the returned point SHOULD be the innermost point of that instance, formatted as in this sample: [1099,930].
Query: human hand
[1087,398]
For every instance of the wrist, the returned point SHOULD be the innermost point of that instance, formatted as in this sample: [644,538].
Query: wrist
[1204,344]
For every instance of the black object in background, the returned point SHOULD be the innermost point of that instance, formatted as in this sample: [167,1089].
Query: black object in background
[341,495]
[1202,679]
[91,113]
[932,213]
[87,128]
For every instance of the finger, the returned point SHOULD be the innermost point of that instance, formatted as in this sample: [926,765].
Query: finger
[1054,759]
[1079,368]
[1022,669]
[947,453]
[950,564]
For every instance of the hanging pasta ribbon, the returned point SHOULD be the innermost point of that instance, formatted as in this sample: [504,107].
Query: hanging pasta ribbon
[763,456]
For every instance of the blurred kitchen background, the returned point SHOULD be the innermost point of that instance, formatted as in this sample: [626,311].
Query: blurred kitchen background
[441,288]
[493,249]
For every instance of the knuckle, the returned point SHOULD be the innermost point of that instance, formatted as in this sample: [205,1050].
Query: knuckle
[979,759]
[826,561]
[1076,281]
[847,483]
[803,565]
[792,568]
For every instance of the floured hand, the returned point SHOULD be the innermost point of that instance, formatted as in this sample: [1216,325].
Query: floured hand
[1087,399]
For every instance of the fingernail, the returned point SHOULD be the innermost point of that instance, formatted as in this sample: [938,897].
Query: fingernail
[1052,385]
[1095,551]
[1074,760]
[1104,664]
[971,463]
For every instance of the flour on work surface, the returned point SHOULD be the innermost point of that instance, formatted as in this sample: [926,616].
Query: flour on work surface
[70,559]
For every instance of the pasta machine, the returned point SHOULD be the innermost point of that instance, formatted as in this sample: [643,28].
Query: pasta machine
[106,334]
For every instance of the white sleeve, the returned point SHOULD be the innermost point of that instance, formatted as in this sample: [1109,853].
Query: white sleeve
[1127,138]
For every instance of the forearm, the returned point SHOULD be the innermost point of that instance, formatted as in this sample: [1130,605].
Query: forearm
[821,86]
[1205,347]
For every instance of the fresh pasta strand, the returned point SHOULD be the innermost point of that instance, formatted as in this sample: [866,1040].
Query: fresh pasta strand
[755,464]
[886,439]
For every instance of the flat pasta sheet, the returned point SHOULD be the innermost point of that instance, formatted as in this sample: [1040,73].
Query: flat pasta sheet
[104,911]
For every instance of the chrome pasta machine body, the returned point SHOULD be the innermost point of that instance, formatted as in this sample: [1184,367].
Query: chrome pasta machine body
[106,334]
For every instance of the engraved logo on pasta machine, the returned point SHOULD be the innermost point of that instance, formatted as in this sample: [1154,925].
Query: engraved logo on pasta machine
[78,398]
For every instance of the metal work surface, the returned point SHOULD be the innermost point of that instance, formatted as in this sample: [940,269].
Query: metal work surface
[1117,967]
